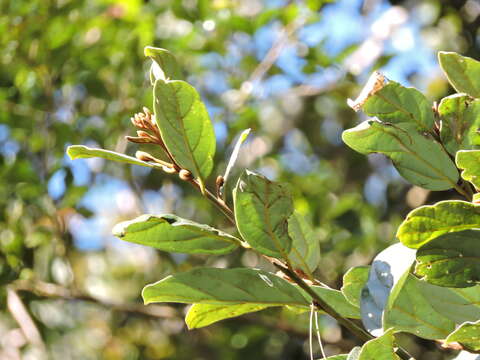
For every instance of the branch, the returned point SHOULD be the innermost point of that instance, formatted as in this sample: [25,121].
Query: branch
[321,305]
[269,59]
[22,317]
[49,290]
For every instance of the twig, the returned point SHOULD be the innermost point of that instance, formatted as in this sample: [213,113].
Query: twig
[321,305]
[21,315]
[317,300]
[319,338]
[217,201]
[50,290]
[312,90]
[270,58]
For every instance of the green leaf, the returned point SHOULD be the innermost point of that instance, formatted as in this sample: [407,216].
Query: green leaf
[185,126]
[224,286]
[476,198]
[81,152]
[457,304]
[452,259]
[460,121]
[336,300]
[333,298]
[354,281]
[305,252]
[409,310]
[262,209]
[428,222]
[201,315]
[462,72]
[172,233]
[395,104]
[236,150]
[167,66]
[467,334]
[380,348]
[418,158]
[469,160]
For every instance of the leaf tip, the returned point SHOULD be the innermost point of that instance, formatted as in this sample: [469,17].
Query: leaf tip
[145,295]
[119,229]
[71,151]
[375,83]
[150,51]
[245,134]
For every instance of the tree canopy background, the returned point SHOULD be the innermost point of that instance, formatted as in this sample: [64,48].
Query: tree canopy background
[73,72]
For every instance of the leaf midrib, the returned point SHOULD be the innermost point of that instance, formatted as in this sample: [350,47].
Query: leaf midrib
[414,154]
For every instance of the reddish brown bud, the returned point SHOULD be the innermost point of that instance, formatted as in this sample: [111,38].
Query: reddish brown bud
[142,133]
[220,181]
[138,140]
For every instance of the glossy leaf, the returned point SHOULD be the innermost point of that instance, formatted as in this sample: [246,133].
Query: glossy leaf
[224,286]
[409,310]
[457,304]
[460,116]
[305,252]
[165,65]
[387,269]
[452,259]
[333,298]
[428,222]
[336,300]
[395,104]
[467,334]
[418,158]
[469,160]
[185,126]
[201,315]
[85,152]
[262,209]
[172,233]
[462,72]
[380,348]
[354,281]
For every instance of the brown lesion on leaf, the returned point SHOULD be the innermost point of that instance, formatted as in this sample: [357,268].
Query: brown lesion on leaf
[374,84]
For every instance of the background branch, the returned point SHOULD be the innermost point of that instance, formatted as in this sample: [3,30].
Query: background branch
[49,290]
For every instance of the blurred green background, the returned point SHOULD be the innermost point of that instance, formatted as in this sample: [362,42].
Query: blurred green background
[73,72]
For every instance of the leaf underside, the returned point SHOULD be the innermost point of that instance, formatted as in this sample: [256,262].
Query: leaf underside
[171,233]
[418,158]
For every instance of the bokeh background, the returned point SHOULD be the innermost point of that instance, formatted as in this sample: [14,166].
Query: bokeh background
[73,72]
